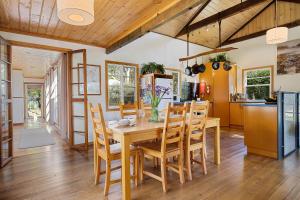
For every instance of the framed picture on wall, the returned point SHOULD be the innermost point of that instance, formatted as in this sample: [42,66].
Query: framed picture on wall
[176,73]
[288,57]
[93,79]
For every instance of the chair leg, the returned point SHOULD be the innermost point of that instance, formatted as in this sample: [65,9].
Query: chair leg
[188,164]
[180,168]
[203,159]
[95,160]
[163,167]
[98,170]
[142,159]
[136,169]
[107,177]
[192,157]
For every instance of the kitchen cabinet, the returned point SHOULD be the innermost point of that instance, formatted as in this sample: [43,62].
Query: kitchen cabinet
[221,83]
[236,114]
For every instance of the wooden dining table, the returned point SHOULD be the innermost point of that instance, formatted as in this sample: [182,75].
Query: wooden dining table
[143,131]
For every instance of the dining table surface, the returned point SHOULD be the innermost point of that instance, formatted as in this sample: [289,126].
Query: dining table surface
[145,130]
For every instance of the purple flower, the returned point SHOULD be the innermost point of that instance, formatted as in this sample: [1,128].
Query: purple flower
[160,91]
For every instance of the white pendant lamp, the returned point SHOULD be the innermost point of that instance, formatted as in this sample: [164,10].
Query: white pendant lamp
[76,12]
[278,34]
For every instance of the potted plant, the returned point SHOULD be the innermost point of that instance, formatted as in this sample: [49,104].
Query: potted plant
[152,67]
[220,58]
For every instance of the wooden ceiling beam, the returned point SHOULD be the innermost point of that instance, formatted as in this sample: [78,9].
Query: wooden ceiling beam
[38,46]
[290,1]
[47,36]
[248,22]
[260,33]
[194,16]
[245,5]
[177,9]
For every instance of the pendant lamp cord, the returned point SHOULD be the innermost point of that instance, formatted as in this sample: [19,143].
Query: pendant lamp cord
[188,46]
[220,39]
[276,19]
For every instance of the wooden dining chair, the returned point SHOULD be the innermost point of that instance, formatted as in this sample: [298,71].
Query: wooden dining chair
[129,110]
[146,108]
[171,145]
[104,151]
[195,136]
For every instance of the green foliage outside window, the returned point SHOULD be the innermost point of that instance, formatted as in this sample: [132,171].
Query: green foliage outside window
[121,84]
[258,84]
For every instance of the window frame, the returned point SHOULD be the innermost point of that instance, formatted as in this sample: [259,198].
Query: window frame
[244,79]
[136,66]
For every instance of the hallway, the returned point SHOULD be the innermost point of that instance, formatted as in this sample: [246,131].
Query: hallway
[31,125]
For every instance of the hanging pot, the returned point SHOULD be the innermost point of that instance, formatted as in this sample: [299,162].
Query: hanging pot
[195,68]
[188,71]
[215,65]
[202,68]
[227,66]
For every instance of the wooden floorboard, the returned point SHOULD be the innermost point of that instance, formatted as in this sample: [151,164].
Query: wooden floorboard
[62,173]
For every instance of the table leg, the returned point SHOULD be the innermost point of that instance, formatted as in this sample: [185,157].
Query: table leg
[125,168]
[217,150]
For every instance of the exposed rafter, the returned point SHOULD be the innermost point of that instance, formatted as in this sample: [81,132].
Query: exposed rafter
[174,11]
[194,16]
[249,21]
[223,15]
[291,1]
[260,33]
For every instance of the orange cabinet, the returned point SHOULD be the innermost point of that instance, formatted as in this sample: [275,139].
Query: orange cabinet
[236,114]
[219,82]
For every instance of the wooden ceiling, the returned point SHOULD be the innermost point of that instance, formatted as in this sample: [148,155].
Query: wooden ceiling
[118,22]
[113,18]
[243,25]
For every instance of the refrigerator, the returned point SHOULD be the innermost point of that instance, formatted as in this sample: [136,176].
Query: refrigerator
[288,123]
[18,96]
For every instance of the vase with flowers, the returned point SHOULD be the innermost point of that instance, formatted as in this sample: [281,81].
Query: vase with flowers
[155,99]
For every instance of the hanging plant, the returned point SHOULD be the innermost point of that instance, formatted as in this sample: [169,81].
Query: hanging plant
[220,58]
[152,67]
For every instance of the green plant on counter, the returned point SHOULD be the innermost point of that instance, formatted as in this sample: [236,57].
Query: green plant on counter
[152,67]
[220,58]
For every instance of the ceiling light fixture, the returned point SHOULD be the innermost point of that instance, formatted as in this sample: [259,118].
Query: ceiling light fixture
[79,12]
[278,34]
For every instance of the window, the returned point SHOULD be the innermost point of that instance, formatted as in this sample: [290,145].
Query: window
[121,84]
[258,82]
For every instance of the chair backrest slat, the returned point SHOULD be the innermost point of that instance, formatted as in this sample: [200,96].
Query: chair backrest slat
[146,108]
[197,121]
[101,136]
[174,126]
[129,110]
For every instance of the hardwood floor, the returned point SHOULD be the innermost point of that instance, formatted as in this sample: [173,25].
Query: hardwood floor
[31,124]
[68,174]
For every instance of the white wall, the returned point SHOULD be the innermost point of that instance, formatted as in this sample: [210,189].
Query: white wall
[255,52]
[150,47]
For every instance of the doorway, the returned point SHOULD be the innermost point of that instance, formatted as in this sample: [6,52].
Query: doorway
[34,102]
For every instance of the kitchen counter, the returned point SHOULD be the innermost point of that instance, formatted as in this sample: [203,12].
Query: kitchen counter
[259,104]
[260,129]
[247,101]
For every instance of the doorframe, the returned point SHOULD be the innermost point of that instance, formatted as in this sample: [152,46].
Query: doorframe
[42,99]
[65,51]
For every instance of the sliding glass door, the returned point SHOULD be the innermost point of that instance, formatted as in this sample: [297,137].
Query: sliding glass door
[6,130]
